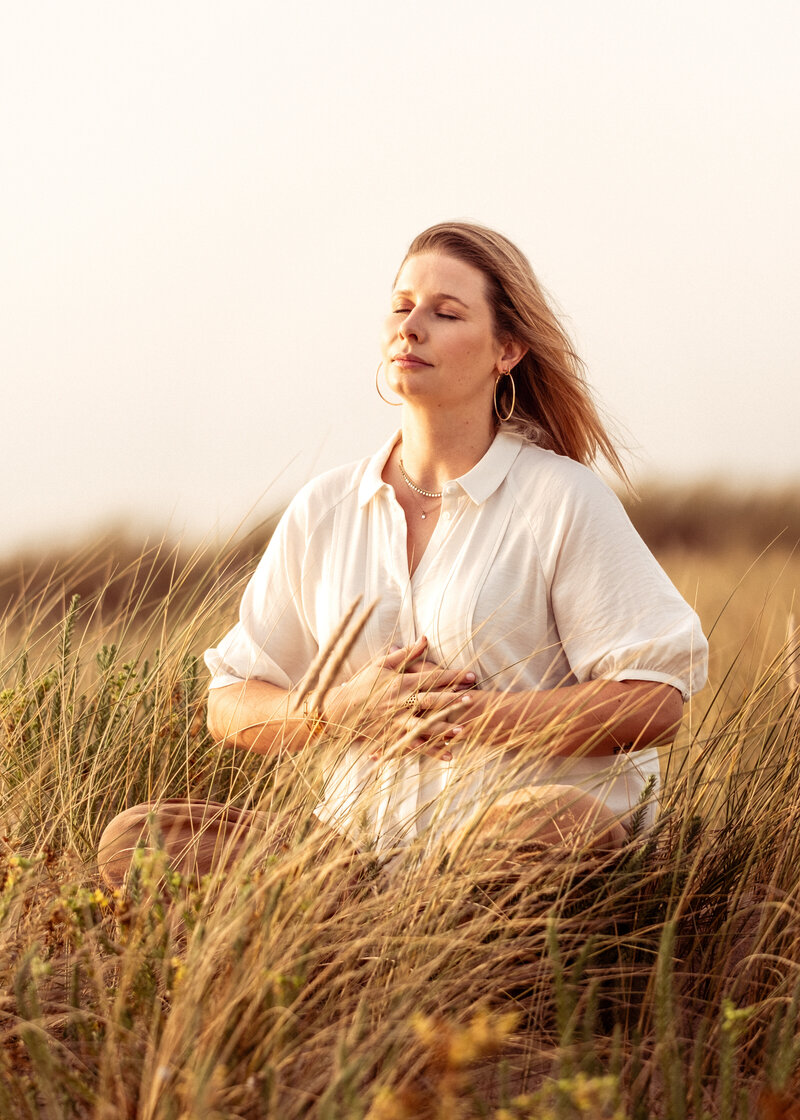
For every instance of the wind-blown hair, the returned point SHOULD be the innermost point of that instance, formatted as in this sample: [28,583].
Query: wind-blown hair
[554,406]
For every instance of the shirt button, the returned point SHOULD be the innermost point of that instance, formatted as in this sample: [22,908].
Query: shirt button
[447,516]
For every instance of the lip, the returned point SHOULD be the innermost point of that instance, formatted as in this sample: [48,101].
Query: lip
[405,359]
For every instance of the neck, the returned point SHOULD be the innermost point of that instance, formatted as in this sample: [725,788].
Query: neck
[435,450]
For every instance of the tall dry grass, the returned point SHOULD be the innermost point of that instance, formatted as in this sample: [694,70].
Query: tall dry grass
[661,982]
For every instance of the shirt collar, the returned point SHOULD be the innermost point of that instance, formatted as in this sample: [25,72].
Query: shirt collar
[487,474]
[372,482]
[478,484]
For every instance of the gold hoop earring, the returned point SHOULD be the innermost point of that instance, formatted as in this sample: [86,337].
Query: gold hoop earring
[394,404]
[510,413]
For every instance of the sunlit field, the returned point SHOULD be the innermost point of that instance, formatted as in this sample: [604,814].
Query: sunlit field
[660,981]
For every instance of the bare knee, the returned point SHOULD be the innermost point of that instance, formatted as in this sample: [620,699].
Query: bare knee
[559,814]
[118,842]
[541,818]
[195,835]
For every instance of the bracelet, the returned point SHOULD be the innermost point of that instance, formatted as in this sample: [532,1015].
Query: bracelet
[314,718]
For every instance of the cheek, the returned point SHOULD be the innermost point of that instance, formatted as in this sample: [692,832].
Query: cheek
[388,331]
[476,352]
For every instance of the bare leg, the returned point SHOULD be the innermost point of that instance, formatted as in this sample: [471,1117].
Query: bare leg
[536,819]
[198,836]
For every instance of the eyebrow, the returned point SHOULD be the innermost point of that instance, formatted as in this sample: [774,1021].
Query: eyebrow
[439,295]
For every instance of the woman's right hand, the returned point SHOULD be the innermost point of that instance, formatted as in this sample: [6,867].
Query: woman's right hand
[396,694]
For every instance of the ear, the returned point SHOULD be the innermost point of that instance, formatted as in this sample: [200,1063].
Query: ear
[512,352]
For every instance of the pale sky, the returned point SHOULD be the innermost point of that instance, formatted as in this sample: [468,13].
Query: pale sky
[203,205]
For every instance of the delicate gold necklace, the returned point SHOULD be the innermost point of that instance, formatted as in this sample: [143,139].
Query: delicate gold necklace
[422,513]
[418,490]
[413,485]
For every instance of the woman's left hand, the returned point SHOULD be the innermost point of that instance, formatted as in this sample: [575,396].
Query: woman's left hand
[423,725]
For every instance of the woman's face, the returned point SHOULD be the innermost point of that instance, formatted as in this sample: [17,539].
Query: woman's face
[438,343]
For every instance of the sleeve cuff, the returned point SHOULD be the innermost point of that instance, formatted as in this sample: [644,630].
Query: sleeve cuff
[652,675]
[219,680]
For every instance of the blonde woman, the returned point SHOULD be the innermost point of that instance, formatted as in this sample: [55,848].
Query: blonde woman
[525,653]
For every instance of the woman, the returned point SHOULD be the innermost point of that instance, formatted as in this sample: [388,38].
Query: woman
[525,652]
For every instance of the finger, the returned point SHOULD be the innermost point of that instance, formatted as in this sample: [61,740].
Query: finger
[436,734]
[443,754]
[431,670]
[431,676]
[411,730]
[419,665]
[429,734]
[399,659]
[429,727]
[443,704]
[437,740]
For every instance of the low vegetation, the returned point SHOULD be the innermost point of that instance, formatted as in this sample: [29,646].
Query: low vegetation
[662,981]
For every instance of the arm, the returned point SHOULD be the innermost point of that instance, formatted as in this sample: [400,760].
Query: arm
[262,717]
[255,715]
[598,717]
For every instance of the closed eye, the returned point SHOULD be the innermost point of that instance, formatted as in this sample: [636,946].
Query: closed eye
[439,314]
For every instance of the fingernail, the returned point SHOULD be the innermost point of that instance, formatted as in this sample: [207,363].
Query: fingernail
[455,730]
[469,677]
[447,756]
[466,699]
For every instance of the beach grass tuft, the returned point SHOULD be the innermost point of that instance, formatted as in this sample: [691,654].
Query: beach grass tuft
[662,980]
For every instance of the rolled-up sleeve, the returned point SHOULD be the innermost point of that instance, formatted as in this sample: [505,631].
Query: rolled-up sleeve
[273,640]
[619,617]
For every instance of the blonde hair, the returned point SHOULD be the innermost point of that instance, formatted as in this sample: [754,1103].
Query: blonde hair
[554,406]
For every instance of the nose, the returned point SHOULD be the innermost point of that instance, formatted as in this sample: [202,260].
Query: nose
[411,325]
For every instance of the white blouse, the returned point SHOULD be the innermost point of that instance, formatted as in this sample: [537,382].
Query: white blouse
[533,578]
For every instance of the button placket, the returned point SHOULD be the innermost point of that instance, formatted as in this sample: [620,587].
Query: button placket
[407,630]
[450,500]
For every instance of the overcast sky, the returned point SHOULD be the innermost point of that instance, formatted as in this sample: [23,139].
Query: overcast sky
[202,207]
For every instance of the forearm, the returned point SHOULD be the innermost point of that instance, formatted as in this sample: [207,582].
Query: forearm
[256,716]
[595,718]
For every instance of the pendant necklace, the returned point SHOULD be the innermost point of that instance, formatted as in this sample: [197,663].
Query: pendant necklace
[418,490]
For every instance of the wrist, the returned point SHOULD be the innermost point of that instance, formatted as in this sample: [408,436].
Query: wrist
[332,710]
[493,710]
[314,718]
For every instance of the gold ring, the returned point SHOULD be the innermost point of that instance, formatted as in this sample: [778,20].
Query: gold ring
[411,701]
